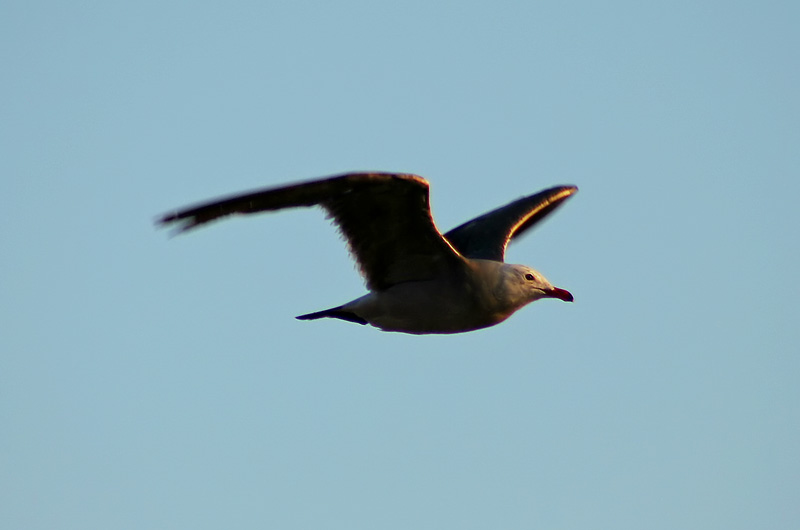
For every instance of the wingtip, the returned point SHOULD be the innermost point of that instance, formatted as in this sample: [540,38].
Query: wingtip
[175,223]
[559,193]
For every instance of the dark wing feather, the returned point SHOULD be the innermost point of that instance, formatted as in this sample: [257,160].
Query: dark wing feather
[487,236]
[385,218]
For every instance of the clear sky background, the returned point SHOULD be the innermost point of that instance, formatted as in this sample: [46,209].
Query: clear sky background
[156,382]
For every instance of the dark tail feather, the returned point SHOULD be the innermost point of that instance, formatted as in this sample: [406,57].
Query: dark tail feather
[334,312]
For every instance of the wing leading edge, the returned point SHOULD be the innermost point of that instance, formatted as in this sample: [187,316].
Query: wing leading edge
[487,236]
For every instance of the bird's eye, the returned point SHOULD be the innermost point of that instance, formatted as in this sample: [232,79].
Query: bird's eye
[530,277]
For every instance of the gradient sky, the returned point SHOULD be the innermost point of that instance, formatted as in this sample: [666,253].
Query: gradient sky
[157,382]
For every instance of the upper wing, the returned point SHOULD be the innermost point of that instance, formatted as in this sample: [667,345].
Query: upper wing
[385,218]
[487,236]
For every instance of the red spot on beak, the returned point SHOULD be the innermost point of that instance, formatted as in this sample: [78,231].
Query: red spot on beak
[561,294]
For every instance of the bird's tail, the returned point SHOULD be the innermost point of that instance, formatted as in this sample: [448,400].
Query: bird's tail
[334,312]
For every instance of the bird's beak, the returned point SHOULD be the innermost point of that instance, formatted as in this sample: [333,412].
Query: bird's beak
[561,294]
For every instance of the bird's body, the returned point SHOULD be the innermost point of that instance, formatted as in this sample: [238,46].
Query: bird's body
[419,280]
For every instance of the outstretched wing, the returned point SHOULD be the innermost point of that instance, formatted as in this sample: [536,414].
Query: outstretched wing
[385,218]
[487,236]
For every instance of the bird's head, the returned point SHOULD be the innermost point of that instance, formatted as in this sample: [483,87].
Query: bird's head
[521,285]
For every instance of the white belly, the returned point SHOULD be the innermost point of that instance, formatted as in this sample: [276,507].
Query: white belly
[425,307]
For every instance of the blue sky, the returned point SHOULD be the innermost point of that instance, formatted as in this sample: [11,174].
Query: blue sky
[156,382]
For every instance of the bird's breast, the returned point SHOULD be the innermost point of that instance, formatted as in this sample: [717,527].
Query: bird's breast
[428,307]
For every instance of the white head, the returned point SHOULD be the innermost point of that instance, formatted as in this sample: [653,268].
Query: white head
[520,285]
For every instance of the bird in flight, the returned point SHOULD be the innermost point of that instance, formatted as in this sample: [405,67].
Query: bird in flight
[419,280]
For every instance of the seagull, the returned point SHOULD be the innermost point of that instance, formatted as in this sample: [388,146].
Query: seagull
[419,280]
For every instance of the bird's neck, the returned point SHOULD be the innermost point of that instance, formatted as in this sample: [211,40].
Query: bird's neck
[496,286]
